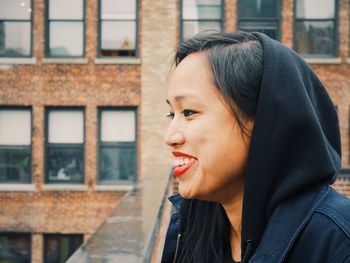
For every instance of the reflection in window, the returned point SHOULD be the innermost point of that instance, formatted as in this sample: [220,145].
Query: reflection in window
[65,28]
[15,248]
[118,30]
[315,30]
[117,155]
[15,28]
[65,146]
[200,15]
[260,16]
[15,146]
[58,248]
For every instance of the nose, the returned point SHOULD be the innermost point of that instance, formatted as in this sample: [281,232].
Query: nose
[174,137]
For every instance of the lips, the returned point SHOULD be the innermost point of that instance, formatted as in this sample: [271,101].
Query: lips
[179,170]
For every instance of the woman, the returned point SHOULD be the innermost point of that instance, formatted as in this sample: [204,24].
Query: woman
[256,141]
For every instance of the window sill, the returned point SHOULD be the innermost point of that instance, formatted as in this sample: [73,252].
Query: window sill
[65,187]
[17,187]
[119,60]
[116,188]
[15,61]
[65,60]
[323,60]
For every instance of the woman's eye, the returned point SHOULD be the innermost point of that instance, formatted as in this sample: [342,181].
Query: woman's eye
[188,113]
[170,115]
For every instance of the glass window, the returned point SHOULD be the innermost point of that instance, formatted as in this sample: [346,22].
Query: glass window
[58,247]
[15,28]
[118,28]
[15,145]
[200,15]
[315,28]
[65,145]
[260,16]
[65,28]
[118,153]
[15,248]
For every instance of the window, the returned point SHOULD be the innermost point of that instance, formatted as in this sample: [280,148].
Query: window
[15,28]
[65,28]
[261,16]
[315,28]
[117,153]
[118,28]
[65,145]
[200,15]
[15,248]
[15,145]
[58,248]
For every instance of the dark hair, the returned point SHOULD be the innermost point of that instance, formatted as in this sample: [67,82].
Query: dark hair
[236,61]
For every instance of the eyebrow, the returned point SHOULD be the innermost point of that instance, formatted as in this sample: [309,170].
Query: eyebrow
[179,98]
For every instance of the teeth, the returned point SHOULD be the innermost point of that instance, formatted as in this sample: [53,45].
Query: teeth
[182,161]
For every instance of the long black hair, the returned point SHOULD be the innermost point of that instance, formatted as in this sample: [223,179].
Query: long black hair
[236,61]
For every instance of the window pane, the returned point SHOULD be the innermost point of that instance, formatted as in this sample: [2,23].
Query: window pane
[118,36]
[15,38]
[66,126]
[258,8]
[15,248]
[315,38]
[268,28]
[59,10]
[15,127]
[10,9]
[59,248]
[66,38]
[15,164]
[117,126]
[117,163]
[65,164]
[191,28]
[201,12]
[118,9]
[315,9]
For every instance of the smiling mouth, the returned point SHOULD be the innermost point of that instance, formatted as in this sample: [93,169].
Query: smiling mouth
[179,170]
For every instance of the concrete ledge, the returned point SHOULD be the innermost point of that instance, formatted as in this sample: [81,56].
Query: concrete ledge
[116,188]
[323,60]
[65,60]
[15,61]
[17,187]
[120,60]
[64,187]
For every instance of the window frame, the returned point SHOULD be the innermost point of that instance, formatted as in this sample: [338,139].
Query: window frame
[31,32]
[47,144]
[21,234]
[117,145]
[47,30]
[99,31]
[45,236]
[182,20]
[20,108]
[278,19]
[335,36]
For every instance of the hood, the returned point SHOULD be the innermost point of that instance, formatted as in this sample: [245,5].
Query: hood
[295,142]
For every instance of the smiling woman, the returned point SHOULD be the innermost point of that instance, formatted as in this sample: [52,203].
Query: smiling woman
[256,143]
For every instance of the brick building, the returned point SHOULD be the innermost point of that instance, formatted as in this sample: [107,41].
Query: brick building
[82,89]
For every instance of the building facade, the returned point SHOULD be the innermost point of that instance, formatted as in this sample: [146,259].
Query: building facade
[82,101]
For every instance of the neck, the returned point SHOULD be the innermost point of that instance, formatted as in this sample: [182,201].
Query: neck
[233,209]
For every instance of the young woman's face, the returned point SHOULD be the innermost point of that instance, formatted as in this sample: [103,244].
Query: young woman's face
[202,127]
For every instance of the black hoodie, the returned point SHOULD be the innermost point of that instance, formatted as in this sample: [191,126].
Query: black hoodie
[295,141]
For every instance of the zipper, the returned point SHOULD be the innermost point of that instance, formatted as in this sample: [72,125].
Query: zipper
[177,246]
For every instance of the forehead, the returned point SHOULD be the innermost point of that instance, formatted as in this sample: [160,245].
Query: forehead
[192,81]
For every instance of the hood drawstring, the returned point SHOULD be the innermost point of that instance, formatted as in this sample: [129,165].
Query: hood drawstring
[248,251]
